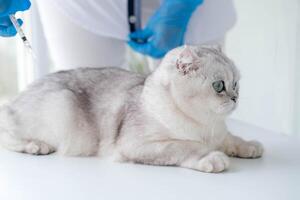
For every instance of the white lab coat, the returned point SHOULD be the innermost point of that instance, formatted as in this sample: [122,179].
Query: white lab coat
[109,17]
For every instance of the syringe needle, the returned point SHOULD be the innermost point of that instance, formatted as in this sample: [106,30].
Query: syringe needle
[21,33]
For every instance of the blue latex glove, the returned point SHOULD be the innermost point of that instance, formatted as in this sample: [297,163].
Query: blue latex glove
[165,29]
[8,7]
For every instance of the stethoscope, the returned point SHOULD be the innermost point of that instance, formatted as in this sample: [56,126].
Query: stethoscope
[135,23]
[134,15]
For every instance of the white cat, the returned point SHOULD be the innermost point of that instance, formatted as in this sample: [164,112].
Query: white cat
[175,116]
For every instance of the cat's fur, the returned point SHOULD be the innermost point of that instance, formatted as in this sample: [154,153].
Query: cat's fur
[172,117]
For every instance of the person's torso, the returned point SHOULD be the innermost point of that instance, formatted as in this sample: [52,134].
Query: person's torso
[109,17]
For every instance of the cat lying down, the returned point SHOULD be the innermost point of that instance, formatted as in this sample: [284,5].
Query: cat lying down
[175,116]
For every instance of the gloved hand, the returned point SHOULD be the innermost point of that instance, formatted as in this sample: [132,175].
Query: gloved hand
[165,29]
[8,7]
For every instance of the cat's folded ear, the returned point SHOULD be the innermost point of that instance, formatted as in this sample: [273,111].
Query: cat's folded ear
[188,61]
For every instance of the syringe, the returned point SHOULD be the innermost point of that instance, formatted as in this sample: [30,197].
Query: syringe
[21,34]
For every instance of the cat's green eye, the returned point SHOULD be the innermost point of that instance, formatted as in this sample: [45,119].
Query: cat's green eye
[219,86]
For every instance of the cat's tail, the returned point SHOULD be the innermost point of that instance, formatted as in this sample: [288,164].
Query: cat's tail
[6,122]
[7,127]
[11,139]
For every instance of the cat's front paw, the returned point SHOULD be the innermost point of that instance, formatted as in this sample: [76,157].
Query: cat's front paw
[214,162]
[38,148]
[251,149]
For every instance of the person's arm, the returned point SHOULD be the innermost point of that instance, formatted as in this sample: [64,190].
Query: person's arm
[165,29]
[10,7]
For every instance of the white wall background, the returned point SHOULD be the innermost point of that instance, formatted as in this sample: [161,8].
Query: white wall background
[297,75]
[263,45]
[8,69]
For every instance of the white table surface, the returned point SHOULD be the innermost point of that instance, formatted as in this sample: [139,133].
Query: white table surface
[275,176]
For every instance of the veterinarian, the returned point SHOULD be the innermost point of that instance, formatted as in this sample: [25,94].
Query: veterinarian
[95,33]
